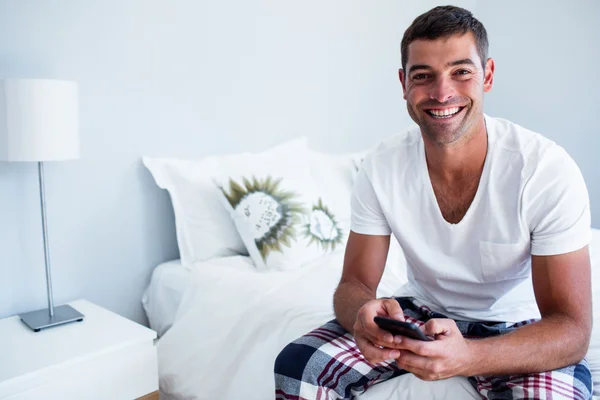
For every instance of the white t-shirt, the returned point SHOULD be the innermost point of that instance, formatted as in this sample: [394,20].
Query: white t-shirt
[531,200]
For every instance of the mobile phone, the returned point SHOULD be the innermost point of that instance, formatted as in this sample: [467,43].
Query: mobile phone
[401,328]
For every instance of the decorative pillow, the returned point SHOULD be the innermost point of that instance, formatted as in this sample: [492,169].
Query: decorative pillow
[204,228]
[279,213]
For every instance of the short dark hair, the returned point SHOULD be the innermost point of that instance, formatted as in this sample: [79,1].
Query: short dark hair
[443,21]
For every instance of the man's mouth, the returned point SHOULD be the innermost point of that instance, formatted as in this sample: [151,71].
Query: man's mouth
[444,113]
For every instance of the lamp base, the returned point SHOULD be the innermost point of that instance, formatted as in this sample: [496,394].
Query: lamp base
[40,319]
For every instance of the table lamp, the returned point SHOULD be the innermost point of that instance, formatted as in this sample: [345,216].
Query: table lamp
[39,122]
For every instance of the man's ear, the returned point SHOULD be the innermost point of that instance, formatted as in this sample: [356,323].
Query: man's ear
[402,81]
[488,78]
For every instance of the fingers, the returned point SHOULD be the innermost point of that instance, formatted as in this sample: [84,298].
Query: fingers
[422,367]
[393,309]
[385,339]
[439,326]
[374,353]
[412,362]
[375,335]
[418,347]
[366,326]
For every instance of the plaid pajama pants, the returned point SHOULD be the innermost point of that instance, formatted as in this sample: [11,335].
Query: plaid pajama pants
[326,364]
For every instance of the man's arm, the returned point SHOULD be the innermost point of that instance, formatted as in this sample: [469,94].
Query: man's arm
[556,208]
[562,286]
[355,301]
[364,263]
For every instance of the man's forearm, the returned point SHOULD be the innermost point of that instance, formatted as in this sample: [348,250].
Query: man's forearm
[552,343]
[347,300]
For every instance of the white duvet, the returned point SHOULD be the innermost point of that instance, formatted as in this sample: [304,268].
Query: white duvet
[233,321]
[223,323]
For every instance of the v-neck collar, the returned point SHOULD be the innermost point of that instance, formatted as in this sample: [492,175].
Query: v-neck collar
[424,172]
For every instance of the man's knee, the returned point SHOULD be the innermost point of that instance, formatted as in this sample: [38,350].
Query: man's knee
[574,380]
[293,360]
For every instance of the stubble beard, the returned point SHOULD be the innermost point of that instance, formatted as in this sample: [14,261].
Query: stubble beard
[441,137]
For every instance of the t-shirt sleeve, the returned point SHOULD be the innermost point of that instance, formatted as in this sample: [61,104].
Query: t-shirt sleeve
[367,216]
[557,205]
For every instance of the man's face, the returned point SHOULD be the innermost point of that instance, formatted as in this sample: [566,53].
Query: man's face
[444,84]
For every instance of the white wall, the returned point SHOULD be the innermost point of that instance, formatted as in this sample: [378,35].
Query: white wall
[189,78]
[178,78]
[547,55]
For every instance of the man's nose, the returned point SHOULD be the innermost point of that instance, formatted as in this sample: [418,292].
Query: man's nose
[441,90]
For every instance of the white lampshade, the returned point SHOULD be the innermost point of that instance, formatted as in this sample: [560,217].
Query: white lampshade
[39,120]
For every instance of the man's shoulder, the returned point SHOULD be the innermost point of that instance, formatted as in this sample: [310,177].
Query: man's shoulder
[527,152]
[391,147]
[511,137]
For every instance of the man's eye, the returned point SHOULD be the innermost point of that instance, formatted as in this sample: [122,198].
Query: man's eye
[463,72]
[420,77]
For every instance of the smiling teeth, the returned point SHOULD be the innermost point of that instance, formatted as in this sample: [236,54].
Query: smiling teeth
[445,113]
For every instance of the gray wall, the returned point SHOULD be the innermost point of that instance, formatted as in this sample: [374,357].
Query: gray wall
[547,57]
[178,78]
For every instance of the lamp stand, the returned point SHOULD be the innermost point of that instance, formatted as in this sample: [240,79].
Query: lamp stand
[46,318]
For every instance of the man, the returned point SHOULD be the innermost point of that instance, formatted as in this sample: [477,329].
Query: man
[494,221]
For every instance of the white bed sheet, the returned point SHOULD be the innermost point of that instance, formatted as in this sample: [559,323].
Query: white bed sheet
[163,295]
[223,323]
[231,324]
[170,280]
[232,321]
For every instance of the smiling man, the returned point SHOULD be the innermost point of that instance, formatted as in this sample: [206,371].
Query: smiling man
[494,221]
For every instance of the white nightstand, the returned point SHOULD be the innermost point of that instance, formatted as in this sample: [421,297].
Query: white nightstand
[103,357]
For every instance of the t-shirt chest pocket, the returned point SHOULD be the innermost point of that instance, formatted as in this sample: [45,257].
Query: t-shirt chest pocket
[502,262]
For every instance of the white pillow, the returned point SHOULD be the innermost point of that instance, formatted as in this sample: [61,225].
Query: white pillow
[204,228]
[334,175]
[283,219]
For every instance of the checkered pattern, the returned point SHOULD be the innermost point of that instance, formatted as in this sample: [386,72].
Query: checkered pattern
[326,364]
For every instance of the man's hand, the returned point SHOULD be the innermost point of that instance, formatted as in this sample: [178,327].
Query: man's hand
[375,343]
[447,356]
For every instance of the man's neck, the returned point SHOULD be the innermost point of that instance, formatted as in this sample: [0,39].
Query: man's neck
[462,159]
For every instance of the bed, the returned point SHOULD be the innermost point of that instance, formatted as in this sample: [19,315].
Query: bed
[221,325]
[222,321]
